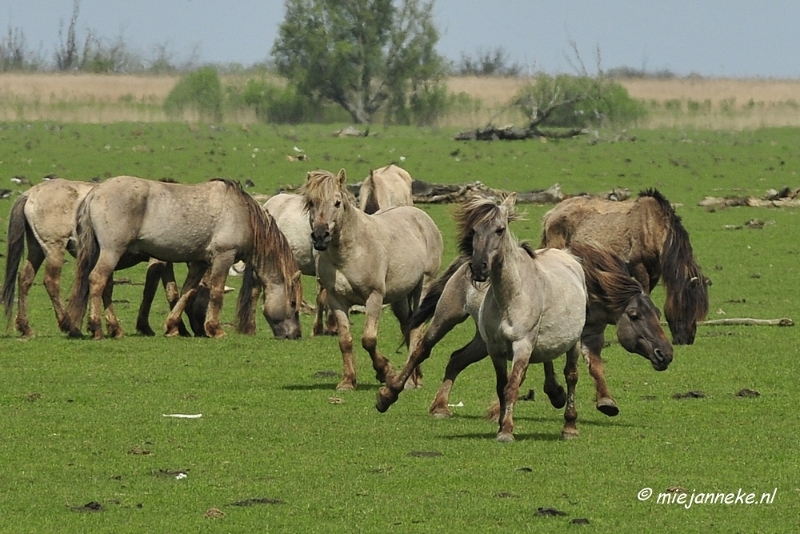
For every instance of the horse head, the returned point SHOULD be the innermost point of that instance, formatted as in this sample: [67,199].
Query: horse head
[639,331]
[686,303]
[282,311]
[483,226]
[326,200]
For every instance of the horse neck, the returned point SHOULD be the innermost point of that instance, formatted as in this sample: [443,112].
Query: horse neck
[349,231]
[506,277]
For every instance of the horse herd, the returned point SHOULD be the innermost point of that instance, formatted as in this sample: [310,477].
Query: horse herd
[596,266]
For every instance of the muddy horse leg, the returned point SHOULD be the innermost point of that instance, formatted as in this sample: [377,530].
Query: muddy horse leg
[591,347]
[340,314]
[570,430]
[98,280]
[114,328]
[193,277]
[472,352]
[25,282]
[369,339]
[554,391]
[216,290]
[154,270]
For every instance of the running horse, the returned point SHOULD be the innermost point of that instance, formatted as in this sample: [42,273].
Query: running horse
[44,218]
[649,236]
[614,298]
[389,257]
[209,226]
[533,310]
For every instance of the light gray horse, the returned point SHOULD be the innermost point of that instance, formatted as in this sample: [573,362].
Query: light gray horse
[533,311]
[385,187]
[388,257]
[44,216]
[209,226]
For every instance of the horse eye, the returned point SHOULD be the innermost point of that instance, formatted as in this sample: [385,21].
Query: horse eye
[500,230]
[632,314]
[338,203]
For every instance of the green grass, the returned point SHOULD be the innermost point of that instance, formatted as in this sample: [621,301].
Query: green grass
[82,421]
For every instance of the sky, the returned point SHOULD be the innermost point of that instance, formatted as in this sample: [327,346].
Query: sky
[711,38]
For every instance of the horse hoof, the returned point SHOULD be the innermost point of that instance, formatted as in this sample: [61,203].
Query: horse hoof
[386,397]
[440,413]
[559,400]
[171,332]
[345,386]
[505,437]
[608,406]
[569,434]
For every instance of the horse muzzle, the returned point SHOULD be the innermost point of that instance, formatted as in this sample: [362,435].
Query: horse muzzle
[479,271]
[320,238]
[660,360]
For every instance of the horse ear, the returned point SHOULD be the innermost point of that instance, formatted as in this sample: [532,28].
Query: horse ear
[342,177]
[371,173]
[510,200]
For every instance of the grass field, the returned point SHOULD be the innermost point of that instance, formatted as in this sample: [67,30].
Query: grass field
[277,449]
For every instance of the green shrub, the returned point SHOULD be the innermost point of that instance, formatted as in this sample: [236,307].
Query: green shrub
[281,105]
[585,101]
[200,91]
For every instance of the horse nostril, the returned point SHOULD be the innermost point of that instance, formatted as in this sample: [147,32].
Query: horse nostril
[659,356]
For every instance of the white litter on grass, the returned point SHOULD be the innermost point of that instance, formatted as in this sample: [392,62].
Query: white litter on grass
[459,405]
[183,415]
[181,476]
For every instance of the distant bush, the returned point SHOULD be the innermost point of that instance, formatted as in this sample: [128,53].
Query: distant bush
[422,106]
[631,72]
[281,105]
[578,101]
[488,63]
[200,91]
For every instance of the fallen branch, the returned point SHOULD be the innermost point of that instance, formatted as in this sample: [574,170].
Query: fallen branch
[748,321]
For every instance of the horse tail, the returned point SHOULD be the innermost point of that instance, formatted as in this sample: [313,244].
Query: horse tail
[16,246]
[88,251]
[245,306]
[556,231]
[427,307]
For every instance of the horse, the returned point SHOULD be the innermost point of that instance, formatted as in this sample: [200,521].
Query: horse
[614,298]
[533,310]
[649,236]
[389,257]
[44,217]
[209,226]
[385,187]
[288,211]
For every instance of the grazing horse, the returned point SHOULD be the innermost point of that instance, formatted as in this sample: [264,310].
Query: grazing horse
[388,257]
[288,210]
[533,311]
[614,298]
[209,226]
[649,236]
[44,216]
[385,187]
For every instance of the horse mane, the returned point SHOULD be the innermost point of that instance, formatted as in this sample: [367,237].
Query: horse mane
[682,276]
[322,184]
[371,199]
[608,280]
[475,211]
[269,243]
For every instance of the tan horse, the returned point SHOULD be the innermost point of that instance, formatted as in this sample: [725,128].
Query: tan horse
[44,216]
[389,257]
[533,311]
[289,212]
[614,298]
[385,187]
[649,236]
[209,226]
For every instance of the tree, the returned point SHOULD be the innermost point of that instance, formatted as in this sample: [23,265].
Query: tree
[360,54]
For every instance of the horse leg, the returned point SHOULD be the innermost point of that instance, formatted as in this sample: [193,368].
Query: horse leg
[98,280]
[323,310]
[472,352]
[369,339]
[402,311]
[112,323]
[154,270]
[193,277]
[25,280]
[554,391]
[570,430]
[508,397]
[591,346]
[340,314]
[172,294]
[216,284]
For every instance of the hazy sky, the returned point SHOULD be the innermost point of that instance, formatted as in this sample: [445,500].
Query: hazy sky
[744,38]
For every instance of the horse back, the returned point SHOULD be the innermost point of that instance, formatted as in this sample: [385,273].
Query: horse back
[289,213]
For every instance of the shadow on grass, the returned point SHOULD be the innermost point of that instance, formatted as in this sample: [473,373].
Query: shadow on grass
[330,386]
[608,422]
[525,436]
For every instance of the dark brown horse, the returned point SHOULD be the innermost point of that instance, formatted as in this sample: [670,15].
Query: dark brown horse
[649,236]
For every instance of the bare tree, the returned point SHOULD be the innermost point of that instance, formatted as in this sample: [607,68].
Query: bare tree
[67,56]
